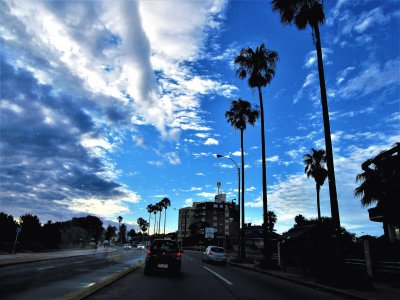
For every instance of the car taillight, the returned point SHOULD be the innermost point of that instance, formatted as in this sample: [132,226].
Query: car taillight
[209,253]
[148,252]
[178,255]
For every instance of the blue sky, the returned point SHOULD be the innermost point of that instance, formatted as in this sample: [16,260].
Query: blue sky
[107,107]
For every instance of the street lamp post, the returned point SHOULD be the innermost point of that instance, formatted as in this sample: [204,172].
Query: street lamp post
[238,171]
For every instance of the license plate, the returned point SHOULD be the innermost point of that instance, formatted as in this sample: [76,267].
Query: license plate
[163,266]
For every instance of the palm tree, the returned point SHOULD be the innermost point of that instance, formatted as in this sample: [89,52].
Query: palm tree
[380,184]
[119,228]
[149,210]
[165,202]
[259,66]
[154,209]
[240,114]
[159,207]
[315,167]
[303,13]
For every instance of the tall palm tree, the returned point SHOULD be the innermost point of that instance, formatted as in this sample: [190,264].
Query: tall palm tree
[159,207]
[154,209]
[165,202]
[149,210]
[303,13]
[315,167]
[241,114]
[259,67]
[119,228]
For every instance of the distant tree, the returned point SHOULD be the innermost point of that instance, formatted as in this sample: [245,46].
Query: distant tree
[119,227]
[300,220]
[8,228]
[303,13]
[143,224]
[150,209]
[110,232]
[31,232]
[92,224]
[315,167]
[272,218]
[259,67]
[165,202]
[122,233]
[132,234]
[52,234]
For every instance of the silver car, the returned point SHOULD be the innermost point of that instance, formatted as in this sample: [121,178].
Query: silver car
[215,254]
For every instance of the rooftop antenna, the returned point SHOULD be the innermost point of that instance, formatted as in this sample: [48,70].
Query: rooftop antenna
[218,187]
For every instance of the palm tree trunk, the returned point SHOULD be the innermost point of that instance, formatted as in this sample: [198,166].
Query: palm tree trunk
[264,180]
[149,224]
[243,238]
[318,206]
[159,223]
[327,130]
[155,223]
[165,218]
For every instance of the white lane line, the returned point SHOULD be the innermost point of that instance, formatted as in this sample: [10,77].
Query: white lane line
[51,267]
[219,276]
[79,262]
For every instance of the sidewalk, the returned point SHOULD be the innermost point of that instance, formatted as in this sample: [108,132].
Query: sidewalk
[18,258]
[380,292]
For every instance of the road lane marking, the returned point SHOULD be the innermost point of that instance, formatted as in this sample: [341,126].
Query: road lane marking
[79,262]
[51,267]
[219,276]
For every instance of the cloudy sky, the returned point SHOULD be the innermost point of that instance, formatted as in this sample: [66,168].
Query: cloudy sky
[109,106]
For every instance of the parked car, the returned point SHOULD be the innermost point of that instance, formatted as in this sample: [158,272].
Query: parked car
[127,247]
[215,254]
[140,246]
[163,255]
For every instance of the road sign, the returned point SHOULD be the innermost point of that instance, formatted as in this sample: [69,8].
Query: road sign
[209,233]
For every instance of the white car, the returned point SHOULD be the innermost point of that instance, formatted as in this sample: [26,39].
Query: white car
[127,247]
[215,254]
[140,246]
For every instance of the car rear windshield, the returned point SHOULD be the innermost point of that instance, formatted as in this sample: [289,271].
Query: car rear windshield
[217,249]
[165,246]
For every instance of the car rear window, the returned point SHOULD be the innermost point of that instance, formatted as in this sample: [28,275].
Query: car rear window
[217,249]
[165,246]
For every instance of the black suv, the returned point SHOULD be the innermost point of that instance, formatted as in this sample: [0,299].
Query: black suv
[163,255]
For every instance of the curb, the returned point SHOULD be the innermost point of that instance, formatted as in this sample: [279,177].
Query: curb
[85,292]
[30,260]
[309,284]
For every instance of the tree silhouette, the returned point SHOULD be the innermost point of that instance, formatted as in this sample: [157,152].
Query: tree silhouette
[259,67]
[150,211]
[272,218]
[165,202]
[110,232]
[303,13]
[122,233]
[315,167]
[239,115]
[379,183]
[159,207]
[119,227]
[155,209]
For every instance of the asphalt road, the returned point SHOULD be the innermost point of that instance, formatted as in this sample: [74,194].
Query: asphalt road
[200,280]
[53,279]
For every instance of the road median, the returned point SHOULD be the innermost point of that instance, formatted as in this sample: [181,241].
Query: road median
[87,291]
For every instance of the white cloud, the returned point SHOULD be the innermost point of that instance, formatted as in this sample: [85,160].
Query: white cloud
[156,163]
[250,189]
[311,57]
[206,195]
[211,141]
[273,158]
[200,174]
[372,78]
[173,158]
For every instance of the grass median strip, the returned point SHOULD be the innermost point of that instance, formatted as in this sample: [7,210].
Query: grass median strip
[82,293]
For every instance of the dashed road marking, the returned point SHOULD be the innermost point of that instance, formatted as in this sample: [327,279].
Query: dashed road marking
[219,276]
